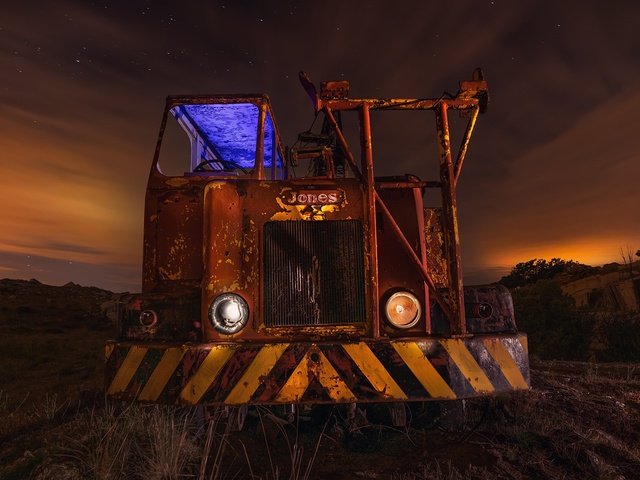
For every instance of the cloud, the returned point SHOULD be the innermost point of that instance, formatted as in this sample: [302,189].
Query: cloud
[574,196]
[551,167]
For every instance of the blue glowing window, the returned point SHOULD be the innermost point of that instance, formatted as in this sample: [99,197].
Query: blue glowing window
[226,132]
[270,143]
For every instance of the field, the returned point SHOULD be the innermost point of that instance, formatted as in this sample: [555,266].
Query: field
[580,420]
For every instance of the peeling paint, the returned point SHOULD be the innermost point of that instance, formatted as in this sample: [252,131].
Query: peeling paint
[177,181]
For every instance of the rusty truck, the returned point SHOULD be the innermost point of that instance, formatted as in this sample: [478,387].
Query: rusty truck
[337,286]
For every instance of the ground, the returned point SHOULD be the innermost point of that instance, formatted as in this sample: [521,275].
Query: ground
[580,420]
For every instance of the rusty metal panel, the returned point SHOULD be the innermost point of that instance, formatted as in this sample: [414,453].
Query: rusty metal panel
[173,234]
[450,220]
[235,214]
[173,316]
[489,308]
[436,258]
[179,224]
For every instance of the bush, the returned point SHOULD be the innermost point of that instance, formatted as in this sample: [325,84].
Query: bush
[557,330]
[619,338]
[554,326]
[526,273]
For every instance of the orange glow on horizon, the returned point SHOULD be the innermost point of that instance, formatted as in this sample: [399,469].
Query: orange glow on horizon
[590,251]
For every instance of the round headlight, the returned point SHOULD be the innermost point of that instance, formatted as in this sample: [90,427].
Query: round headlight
[148,318]
[229,313]
[403,310]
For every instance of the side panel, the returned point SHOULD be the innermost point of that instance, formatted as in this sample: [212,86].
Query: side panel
[173,236]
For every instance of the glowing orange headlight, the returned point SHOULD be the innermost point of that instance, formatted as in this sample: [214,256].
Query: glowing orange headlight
[403,310]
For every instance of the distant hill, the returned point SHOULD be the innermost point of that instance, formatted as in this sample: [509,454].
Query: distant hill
[41,303]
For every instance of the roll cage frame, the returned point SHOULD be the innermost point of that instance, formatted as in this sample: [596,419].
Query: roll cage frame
[471,99]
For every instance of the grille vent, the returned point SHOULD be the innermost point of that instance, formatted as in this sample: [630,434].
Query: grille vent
[313,273]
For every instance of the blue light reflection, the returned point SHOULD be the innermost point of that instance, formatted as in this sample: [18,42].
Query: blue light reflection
[231,131]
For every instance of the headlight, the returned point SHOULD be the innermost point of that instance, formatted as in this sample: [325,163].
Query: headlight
[148,318]
[403,310]
[229,313]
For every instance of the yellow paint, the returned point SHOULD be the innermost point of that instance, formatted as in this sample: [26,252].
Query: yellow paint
[468,366]
[127,370]
[375,372]
[290,212]
[161,374]
[505,361]
[259,368]
[293,390]
[170,276]
[524,341]
[304,212]
[423,370]
[108,350]
[176,181]
[206,374]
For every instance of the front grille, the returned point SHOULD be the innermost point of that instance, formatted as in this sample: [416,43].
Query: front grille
[313,273]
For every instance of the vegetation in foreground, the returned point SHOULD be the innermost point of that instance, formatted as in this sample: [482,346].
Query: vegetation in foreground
[557,329]
[576,423]
[581,420]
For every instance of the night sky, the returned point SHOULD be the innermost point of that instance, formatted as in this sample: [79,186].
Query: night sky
[553,168]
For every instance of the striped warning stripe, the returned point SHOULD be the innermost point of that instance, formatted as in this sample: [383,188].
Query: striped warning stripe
[170,360]
[468,366]
[259,368]
[508,366]
[315,365]
[424,371]
[199,383]
[392,371]
[127,370]
[375,372]
[108,350]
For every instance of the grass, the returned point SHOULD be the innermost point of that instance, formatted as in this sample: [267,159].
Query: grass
[581,420]
[569,426]
[36,363]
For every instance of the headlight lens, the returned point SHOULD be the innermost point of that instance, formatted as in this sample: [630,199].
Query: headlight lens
[403,310]
[229,313]
[148,318]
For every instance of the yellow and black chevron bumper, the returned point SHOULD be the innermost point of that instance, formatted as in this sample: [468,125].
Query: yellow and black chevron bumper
[368,371]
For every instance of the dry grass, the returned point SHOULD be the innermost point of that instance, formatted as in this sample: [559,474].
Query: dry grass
[581,420]
[569,426]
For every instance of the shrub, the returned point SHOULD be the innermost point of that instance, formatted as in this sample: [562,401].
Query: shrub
[555,328]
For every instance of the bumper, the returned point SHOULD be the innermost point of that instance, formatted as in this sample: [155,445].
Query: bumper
[419,369]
